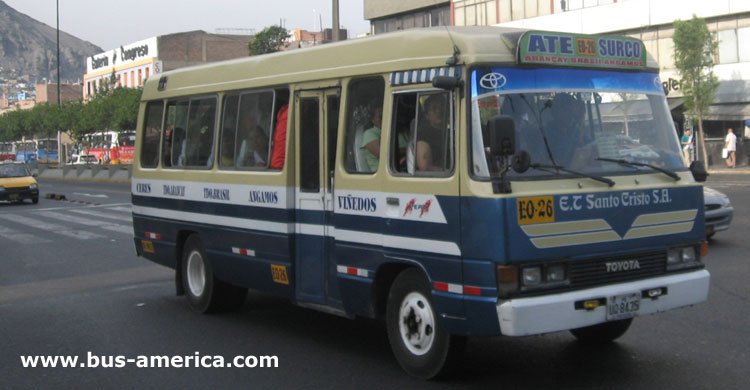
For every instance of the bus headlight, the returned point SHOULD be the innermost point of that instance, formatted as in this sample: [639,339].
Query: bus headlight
[532,276]
[678,258]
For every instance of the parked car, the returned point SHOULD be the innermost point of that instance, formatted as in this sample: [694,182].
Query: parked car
[719,211]
[83,159]
[17,183]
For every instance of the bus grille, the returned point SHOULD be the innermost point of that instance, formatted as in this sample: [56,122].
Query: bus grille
[595,271]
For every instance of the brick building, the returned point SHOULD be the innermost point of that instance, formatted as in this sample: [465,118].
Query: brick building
[47,93]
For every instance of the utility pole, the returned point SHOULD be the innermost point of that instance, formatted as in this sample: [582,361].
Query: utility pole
[335,20]
[60,154]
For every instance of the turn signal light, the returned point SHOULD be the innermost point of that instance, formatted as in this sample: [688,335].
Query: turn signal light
[704,248]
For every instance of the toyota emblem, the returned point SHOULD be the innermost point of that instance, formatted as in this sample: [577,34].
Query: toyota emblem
[492,81]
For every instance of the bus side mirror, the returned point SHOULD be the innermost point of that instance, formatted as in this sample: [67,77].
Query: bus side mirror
[447,83]
[502,136]
[699,171]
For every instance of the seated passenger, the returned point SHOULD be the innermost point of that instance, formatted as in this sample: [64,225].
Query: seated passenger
[278,152]
[253,151]
[371,140]
[430,147]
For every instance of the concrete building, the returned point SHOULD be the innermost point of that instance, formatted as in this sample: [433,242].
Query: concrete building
[649,20]
[130,65]
[393,15]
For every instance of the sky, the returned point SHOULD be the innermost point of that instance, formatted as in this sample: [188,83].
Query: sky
[110,24]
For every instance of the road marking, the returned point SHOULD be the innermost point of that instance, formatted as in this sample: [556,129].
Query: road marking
[91,195]
[127,209]
[118,217]
[22,238]
[88,222]
[51,227]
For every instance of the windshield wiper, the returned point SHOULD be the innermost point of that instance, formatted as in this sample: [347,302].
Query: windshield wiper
[639,164]
[547,168]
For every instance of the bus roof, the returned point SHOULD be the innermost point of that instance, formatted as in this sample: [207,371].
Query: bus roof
[402,50]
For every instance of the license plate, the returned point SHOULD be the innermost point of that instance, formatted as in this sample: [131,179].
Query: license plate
[13,197]
[535,209]
[624,306]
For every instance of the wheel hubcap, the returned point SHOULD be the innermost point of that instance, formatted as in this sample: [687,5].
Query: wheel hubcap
[417,323]
[196,273]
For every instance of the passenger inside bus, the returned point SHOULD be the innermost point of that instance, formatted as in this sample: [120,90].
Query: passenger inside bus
[567,132]
[253,151]
[431,146]
[278,152]
[370,145]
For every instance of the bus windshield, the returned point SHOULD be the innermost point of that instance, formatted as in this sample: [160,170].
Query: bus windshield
[576,119]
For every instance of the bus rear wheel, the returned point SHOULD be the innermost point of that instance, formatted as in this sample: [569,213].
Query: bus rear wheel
[419,342]
[602,333]
[204,292]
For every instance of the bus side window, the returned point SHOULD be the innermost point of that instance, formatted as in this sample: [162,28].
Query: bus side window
[364,120]
[254,127]
[422,122]
[151,135]
[200,133]
[228,131]
[174,133]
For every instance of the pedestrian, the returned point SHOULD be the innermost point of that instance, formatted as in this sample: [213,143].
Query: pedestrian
[687,146]
[730,144]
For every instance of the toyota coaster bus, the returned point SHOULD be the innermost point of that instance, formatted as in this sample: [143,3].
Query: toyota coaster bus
[453,182]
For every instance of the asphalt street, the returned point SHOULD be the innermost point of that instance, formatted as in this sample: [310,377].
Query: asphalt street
[73,285]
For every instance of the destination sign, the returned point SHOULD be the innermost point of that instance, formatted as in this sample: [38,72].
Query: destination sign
[564,49]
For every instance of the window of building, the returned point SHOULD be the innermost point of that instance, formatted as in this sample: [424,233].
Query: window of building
[151,134]
[743,40]
[423,133]
[728,46]
[147,73]
[364,120]
[140,77]
[666,52]
[475,12]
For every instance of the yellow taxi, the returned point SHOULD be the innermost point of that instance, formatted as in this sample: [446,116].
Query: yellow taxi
[17,183]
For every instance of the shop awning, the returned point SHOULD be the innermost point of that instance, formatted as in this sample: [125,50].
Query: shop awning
[728,112]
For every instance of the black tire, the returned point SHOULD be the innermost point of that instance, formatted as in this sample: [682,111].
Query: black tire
[418,340]
[204,292]
[602,333]
[35,200]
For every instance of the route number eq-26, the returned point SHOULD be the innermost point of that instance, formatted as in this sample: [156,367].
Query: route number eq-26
[535,209]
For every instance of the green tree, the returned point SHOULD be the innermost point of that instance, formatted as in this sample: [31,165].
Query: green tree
[269,40]
[694,48]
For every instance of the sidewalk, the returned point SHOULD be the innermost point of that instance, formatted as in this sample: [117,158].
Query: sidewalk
[723,170]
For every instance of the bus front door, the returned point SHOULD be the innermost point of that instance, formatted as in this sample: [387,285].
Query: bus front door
[317,123]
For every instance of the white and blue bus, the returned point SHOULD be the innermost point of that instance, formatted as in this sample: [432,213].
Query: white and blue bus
[452,182]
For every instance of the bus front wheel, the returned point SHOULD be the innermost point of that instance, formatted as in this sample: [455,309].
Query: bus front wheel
[602,333]
[204,292]
[420,344]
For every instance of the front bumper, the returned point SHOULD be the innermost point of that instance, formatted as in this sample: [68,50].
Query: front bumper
[719,219]
[556,312]
[12,194]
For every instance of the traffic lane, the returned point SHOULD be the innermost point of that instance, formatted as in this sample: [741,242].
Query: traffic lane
[86,191]
[44,241]
[317,350]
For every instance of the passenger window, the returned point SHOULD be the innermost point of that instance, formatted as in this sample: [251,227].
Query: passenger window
[246,130]
[423,125]
[364,120]
[151,135]
[189,133]
[174,134]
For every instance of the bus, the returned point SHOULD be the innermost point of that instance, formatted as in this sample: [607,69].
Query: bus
[118,146]
[7,151]
[48,151]
[26,150]
[452,182]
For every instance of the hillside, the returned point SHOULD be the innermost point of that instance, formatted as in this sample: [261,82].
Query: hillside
[28,47]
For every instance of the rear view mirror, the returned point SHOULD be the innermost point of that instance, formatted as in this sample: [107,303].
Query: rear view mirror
[699,171]
[447,83]
[502,136]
